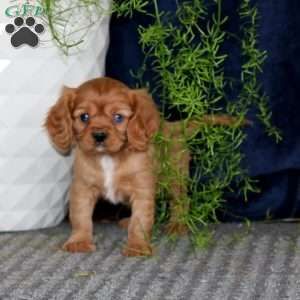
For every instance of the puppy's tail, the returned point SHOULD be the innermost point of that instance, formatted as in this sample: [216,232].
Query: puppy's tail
[192,126]
[216,120]
[221,119]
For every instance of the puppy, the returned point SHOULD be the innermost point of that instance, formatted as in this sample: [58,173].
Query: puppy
[110,127]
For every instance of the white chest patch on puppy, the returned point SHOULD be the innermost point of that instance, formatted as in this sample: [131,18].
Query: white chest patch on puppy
[108,167]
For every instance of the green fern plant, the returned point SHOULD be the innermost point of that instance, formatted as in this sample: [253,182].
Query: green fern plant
[189,68]
[70,20]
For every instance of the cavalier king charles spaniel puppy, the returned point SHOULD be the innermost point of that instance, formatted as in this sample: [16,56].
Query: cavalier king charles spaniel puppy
[110,127]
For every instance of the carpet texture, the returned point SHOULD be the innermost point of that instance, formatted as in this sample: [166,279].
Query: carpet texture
[260,262]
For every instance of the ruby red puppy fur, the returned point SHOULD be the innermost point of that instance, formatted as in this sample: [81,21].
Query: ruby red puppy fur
[110,128]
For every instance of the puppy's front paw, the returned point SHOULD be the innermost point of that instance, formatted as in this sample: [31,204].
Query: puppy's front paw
[137,250]
[79,246]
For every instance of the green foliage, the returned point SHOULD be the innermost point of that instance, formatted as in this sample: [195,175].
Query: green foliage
[70,20]
[188,61]
[253,61]
[190,77]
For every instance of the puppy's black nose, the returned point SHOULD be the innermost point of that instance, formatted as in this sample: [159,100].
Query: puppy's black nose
[99,136]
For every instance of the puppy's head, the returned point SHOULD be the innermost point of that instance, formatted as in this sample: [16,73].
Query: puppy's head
[103,116]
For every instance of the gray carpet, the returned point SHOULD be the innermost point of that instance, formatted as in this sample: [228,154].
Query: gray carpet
[260,262]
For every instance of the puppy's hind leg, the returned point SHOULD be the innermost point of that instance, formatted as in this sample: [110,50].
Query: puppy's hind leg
[179,200]
[124,223]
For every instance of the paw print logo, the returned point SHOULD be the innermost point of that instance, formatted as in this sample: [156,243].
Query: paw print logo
[24,32]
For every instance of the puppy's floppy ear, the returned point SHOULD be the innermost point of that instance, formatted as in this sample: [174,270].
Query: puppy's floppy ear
[59,121]
[145,120]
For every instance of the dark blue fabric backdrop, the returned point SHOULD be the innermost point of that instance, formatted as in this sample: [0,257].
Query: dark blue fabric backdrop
[277,166]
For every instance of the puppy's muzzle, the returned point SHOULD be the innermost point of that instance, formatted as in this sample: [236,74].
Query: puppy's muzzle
[99,137]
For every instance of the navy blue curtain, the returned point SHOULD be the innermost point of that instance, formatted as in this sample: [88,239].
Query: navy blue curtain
[276,166]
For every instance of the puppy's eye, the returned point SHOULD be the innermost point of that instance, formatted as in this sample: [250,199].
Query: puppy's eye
[84,117]
[118,118]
